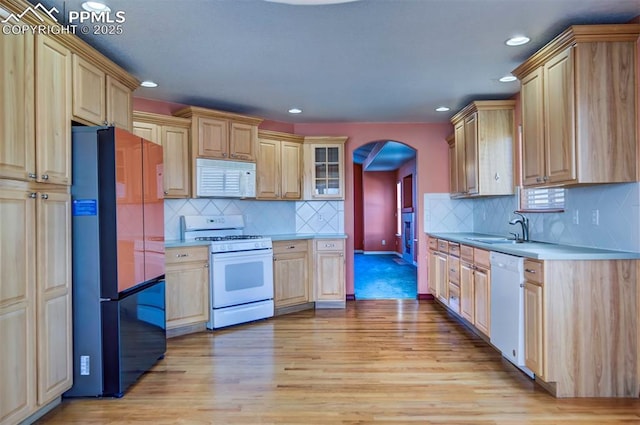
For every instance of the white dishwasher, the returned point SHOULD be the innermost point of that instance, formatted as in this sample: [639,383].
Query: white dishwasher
[507,307]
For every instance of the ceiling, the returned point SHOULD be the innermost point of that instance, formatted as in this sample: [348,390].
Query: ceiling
[384,155]
[363,61]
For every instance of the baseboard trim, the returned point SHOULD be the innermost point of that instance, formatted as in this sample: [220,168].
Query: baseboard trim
[351,297]
[425,297]
[380,253]
[187,329]
[42,411]
[279,311]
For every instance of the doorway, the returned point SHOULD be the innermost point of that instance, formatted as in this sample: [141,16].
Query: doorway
[384,221]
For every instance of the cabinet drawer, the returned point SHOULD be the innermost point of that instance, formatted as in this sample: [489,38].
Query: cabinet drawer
[443,245]
[284,247]
[466,253]
[481,257]
[454,249]
[433,243]
[533,271]
[330,245]
[454,269]
[186,254]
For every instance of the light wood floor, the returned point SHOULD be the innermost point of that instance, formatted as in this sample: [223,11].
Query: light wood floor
[375,362]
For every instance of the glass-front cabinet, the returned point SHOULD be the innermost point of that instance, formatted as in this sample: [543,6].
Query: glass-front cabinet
[324,167]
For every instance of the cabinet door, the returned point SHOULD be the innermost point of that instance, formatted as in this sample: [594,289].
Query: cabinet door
[55,370]
[268,169]
[432,275]
[531,95]
[330,276]
[453,169]
[461,177]
[17,305]
[212,138]
[327,172]
[467,299]
[187,294]
[147,131]
[242,141]
[175,144]
[17,117]
[533,325]
[559,118]
[482,300]
[442,281]
[119,104]
[471,153]
[291,284]
[53,111]
[290,170]
[89,103]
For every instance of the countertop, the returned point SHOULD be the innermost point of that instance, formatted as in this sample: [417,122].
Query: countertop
[539,250]
[279,237]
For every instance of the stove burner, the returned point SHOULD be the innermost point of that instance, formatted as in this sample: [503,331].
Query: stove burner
[227,238]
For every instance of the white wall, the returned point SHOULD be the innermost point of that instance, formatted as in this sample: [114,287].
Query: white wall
[618,206]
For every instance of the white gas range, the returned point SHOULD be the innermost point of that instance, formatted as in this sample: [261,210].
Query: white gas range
[240,272]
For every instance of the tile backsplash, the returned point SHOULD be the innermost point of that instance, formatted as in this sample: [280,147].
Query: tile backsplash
[261,217]
[617,206]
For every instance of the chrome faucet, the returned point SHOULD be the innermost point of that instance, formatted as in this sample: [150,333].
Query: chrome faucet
[524,223]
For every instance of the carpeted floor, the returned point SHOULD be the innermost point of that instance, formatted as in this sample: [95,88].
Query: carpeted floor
[384,277]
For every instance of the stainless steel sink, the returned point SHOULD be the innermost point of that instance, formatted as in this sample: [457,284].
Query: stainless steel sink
[493,239]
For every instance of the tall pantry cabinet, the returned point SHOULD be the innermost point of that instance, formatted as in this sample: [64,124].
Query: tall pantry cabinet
[35,232]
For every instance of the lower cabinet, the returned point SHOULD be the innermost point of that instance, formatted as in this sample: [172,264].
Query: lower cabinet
[187,293]
[467,291]
[35,298]
[329,273]
[291,273]
[482,291]
[533,317]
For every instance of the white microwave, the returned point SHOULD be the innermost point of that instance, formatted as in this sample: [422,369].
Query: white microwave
[225,179]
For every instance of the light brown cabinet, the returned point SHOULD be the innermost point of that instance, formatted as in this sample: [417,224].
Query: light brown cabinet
[483,146]
[579,107]
[324,168]
[187,293]
[99,98]
[53,112]
[173,134]
[329,273]
[221,135]
[17,115]
[440,271]
[35,301]
[467,290]
[279,166]
[482,291]
[291,273]
[453,277]
[453,167]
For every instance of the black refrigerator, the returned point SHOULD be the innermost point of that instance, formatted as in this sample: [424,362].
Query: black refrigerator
[118,260]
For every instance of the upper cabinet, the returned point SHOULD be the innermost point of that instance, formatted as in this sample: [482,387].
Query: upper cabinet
[101,92]
[279,165]
[579,107]
[481,152]
[324,167]
[222,135]
[173,134]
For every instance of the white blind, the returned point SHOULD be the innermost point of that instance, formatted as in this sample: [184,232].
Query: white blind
[542,199]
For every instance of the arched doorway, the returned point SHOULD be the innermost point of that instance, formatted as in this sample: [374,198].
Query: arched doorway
[385,262]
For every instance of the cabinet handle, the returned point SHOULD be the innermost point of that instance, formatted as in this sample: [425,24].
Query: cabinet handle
[233,155]
[224,154]
[291,247]
[166,192]
[452,270]
[545,178]
[45,177]
[182,255]
[33,176]
[33,195]
[206,266]
[44,196]
[530,271]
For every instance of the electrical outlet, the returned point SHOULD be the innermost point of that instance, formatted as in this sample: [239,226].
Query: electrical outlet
[576,217]
[384,242]
[595,217]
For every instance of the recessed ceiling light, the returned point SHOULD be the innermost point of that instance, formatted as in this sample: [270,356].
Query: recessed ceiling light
[295,111]
[518,40]
[507,79]
[442,109]
[95,6]
[148,83]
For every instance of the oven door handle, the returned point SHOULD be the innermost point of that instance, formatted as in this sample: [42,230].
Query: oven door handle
[253,255]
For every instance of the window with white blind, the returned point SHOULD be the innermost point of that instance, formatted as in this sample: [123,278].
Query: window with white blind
[549,199]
